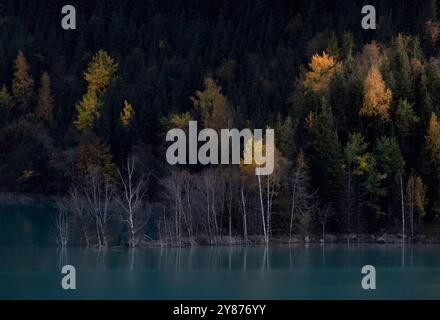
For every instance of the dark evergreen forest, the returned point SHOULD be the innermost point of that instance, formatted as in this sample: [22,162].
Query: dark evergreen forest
[84,113]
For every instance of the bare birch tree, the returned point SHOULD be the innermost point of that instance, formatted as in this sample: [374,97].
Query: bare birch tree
[77,207]
[173,184]
[324,213]
[95,192]
[62,224]
[131,200]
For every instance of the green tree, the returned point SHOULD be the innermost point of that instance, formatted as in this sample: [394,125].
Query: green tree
[405,118]
[391,164]
[401,68]
[356,163]
[326,156]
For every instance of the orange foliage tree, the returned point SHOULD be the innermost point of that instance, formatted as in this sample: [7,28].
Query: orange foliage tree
[377,97]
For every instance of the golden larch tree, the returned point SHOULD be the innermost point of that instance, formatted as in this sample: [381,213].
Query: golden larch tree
[127,114]
[88,111]
[377,97]
[322,69]
[100,72]
[22,84]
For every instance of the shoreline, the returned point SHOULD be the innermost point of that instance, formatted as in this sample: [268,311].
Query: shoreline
[385,238]
[12,198]
[17,199]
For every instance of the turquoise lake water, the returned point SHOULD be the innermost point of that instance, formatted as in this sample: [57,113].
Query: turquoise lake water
[30,268]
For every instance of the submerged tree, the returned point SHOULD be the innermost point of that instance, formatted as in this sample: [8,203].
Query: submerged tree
[62,223]
[131,200]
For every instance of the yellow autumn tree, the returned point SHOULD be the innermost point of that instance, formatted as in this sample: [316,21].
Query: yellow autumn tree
[179,121]
[100,72]
[420,195]
[268,185]
[255,146]
[88,111]
[310,119]
[322,69]
[416,199]
[22,84]
[433,139]
[377,97]
[213,106]
[127,114]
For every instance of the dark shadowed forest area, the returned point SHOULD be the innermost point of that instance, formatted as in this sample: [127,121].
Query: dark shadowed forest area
[84,114]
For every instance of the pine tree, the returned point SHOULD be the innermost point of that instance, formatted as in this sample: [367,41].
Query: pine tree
[405,118]
[391,165]
[423,98]
[401,68]
[356,164]
[213,106]
[326,156]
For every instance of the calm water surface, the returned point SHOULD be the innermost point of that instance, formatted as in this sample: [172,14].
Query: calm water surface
[30,268]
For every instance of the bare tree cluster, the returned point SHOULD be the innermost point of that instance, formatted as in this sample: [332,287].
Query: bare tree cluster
[225,204]
[99,203]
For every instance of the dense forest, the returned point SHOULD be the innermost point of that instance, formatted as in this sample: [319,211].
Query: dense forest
[84,114]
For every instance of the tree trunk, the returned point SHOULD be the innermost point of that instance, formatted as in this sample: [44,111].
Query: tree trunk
[403,208]
[244,214]
[262,209]
[292,211]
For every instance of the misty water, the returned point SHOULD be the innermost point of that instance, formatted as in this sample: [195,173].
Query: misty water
[30,268]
